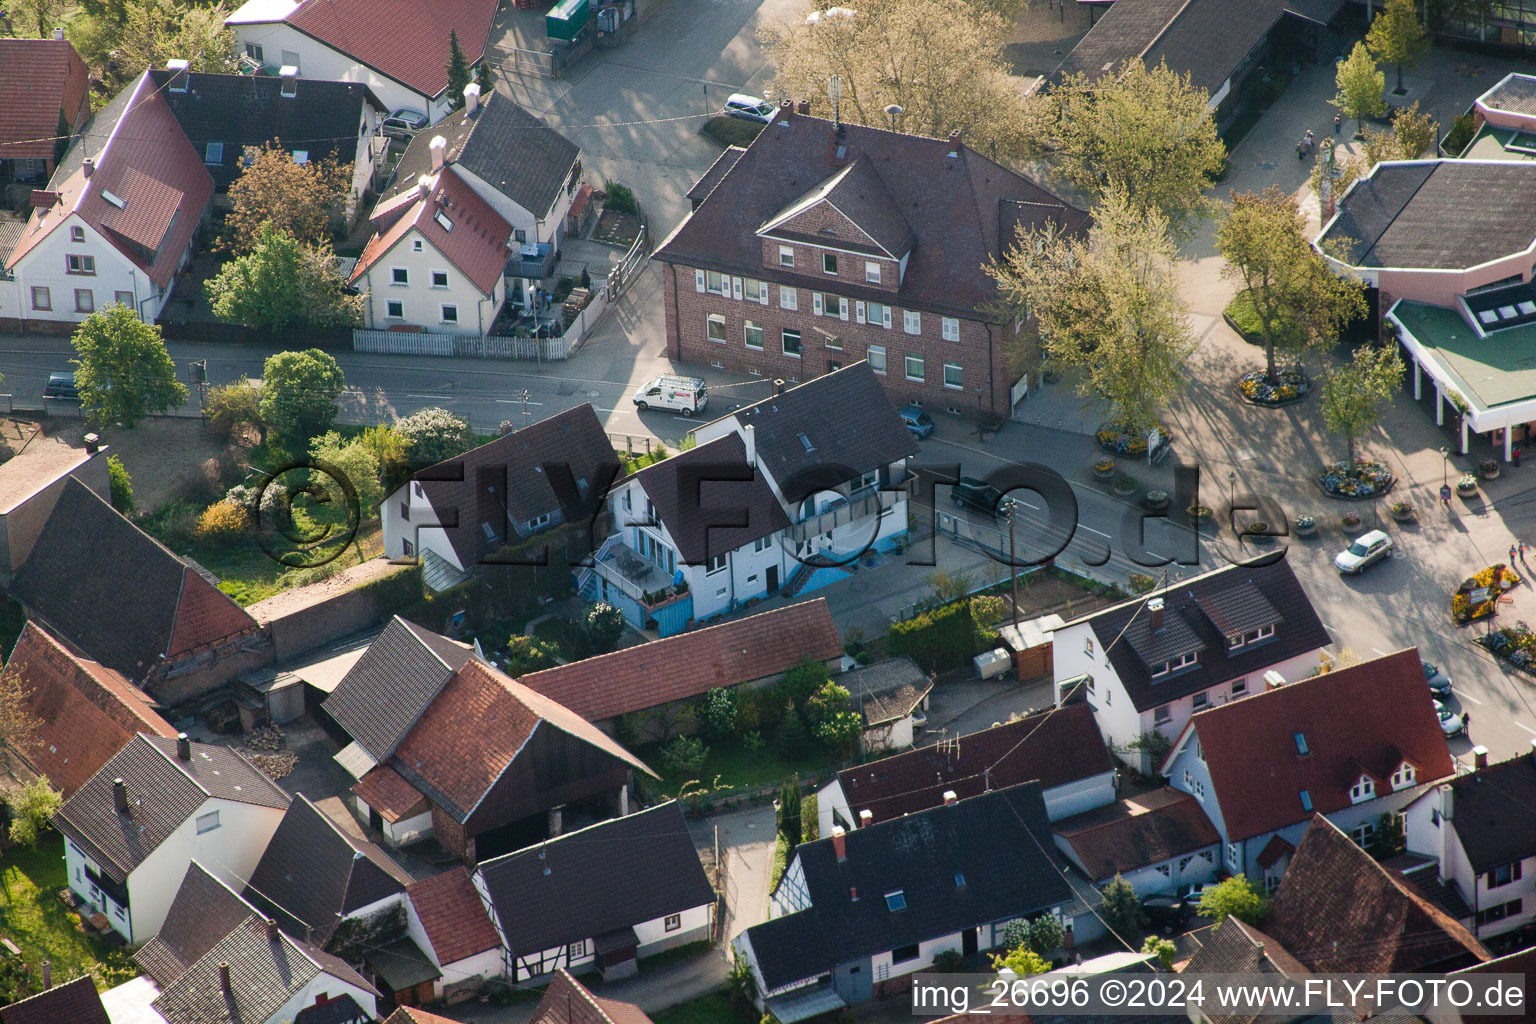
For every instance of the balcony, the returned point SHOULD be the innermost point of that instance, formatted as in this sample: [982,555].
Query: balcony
[624,568]
[865,504]
[532,262]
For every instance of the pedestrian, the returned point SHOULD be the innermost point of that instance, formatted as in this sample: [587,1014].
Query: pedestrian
[1466,720]
[1338,120]
[1511,554]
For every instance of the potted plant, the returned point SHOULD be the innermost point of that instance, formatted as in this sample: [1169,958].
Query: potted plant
[1402,511]
[1124,484]
[1156,499]
[1104,468]
[1350,522]
[1258,530]
[1199,513]
[1488,469]
[1306,526]
[1467,486]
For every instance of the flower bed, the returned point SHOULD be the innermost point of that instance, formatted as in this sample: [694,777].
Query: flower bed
[1515,644]
[1290,386]
[1493,581]
[1115,439]
[1365,479]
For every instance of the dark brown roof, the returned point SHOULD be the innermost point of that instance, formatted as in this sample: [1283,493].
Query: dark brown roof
[73,1002]
[724,162]
[568,1001]
[137,605]
[1054,747]
[1298,631]
[1339,912]
[412,1015]
[887,690]
[856,192]
[563,463]
[312,874]
[566,889]
[163,792]
[1365,719]
[1522,962]
[698,491]
[452,915]
[85,711]
[961,209]
[1238,948]
[1137,832]
[383,790]
[1494,813]
[690,664]
[1277,848]
[390,687]
[203,912]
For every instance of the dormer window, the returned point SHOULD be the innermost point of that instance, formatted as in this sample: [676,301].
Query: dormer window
[1251,637]
[1183,661]
[443,221]
[1403,777]
[1363,789]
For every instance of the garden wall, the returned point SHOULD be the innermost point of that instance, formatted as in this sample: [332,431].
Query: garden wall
[301,620]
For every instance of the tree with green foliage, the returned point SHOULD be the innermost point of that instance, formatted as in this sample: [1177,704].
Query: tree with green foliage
[718,712]
[1121,909]
[392,452]
[1022,961]
[42,15]
[793,737]
[120,38]
[1144,131]
[300,200]
[279,283]
[529,654]
[458,70]
[683,756]
[1397,37]
[299,392]
[121,484]
[1361,86]
[830,715]
[484,79]
[1300,303]
[355,461]
[122,368]
[1107,306]
[789,811]
[1353,394]
[18,725]
[33,811]
[1161,948]
[601,626]
[1045,935]
[234,407]
[804,679]
[1389,839]
[1235,897]
[1412,133]
[433,435]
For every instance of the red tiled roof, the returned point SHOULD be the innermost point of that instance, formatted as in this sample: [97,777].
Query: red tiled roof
[385,791]
[1375,714]
[691,664]
[205,614]
[1338,911]
[1273,850]
[568,1001]
[412,1015]
[39,78]
[452,915]
[145,161]
[405,39]
[85,712]
[476,244]
[1137,832]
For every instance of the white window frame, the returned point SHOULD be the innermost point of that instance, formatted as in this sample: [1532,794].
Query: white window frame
[1239,688]
[434,283]
[1403,777]
[400,277]
[416,245]
[672,922]
[77,264]
[784,342]
[922,368]
[789,298]
[826,259]
[442,312]
[76,233]
[1162,714]
[754,290]
[871,353]
[712,321]
[390,305]
[1364,789]
[871,272]
[884,309]
[716,283]
[911,321]
[747,327]
[959,370]
[951,328]
[1200,701]
[787,256]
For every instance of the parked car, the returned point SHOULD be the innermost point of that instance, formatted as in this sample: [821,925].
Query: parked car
[917,421]
[1439,682]
[1193,897]
[61,385]
[977,494]
[404,123]
[686,395]
[1367,549]
[1451,722]
[749,108]
[1165,912]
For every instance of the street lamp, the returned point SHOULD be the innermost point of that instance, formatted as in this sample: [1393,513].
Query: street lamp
[893,111]
[1231,488]
[1445,466]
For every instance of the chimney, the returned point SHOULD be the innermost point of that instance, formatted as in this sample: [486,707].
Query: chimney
[556,819]
[1480,756]
[839,843]
[866,819]
[786,110]
[950,799]
[954,143]
[120,795]
[471,98]
[271,930]
[439,147]
[749,438]
[778,385]
[1155,615]
[1273,680]
[424,185]
[178,70]
[58,37]
[88,167]
[290,76]
[1447,812]
[803,107]
[853,894]
[47,975]
[224,980]
[183,747]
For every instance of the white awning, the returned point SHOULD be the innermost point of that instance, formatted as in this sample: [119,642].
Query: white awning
[355,760]
[326,674]
[805,1004]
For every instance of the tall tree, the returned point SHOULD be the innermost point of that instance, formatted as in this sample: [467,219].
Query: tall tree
[152,32]
[122,369]
[484,79]
[1235,897]
[1145,131]
[279,283]
[1361,86]
[299,392]
[301,200]
[43,15]
[940,62]
[1122,909]
[1397,37]
[458,71]
[1107,306]
[18,725]
[1354,393]
[1300,302]
[1412,133]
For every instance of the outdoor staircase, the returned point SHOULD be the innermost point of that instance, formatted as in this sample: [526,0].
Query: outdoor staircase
[797,579]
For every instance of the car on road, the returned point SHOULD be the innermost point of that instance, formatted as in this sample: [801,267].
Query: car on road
[917,421]
[1367,549]
[1439,682]
[686,395]
[1165,912]
[404,123]
[61,385]
[1451,722]
[977,494]
[749,108]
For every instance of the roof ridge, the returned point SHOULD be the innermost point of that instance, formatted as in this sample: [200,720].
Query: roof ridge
[411,627]
[541,844]
[176,762]
[586,994]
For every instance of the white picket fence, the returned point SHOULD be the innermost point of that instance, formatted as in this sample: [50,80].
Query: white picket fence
[485,346]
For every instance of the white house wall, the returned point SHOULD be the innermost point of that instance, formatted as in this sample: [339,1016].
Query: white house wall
[488,963]
[327,987]
[654,937]
[791,895]
[831,799]
[1080,795]
[398,529]
[1430,835]
[421,304]
[47,266]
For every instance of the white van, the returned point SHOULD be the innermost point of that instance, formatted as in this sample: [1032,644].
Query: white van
[686,395]
[749,108]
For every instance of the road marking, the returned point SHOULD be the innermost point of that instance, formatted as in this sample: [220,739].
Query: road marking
[516,401]
[1468,696]
[409,395]
[1379,651]
[1525,727]
[1092,530]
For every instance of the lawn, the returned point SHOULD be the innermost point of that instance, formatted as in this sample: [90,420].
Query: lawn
[32,917]
[731,131]
[714,1008]
[1244,317]
[729,765]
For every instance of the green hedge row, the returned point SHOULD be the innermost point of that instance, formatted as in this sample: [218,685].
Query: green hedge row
[937,640]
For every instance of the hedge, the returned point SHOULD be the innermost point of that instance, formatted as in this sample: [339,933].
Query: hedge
[937,640]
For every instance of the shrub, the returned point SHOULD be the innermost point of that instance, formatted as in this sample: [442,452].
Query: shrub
[621,199]
[937,640]
[718,712]
[232,407]
[1045,934]
[754,743]
[1141,583]
[790,811]
[1122,908]
[432,435]
[34,809]
[221,522]
[949,961]
[792,738]
[803,680]
[529,654]
[1161,948]
[1237,898]
[121,483]
[1462,130]
[987,610]
[601,627]
[684,755]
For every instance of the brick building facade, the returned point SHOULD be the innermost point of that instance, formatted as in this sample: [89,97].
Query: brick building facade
[820,245]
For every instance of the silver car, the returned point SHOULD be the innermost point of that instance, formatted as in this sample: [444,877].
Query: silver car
[404,123]
[1367,549]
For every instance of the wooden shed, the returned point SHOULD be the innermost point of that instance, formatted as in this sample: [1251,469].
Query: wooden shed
[1030,644]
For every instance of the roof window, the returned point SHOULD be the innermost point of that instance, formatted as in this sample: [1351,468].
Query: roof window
[896,900]
[1301,744]
[113,198]
[443,221]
